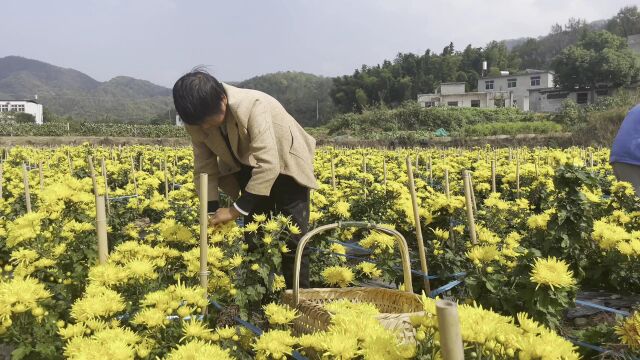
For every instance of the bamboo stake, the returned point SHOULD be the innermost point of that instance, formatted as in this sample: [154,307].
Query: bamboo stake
[430,171]
[101,229]
[41,174]
[1,177]
[467,198]
[204,246]
[449,327]
[447,191]
[70,163]
[166,180]
[92,171]
[27,194]
[446,183]
[517,176]
[364,170]
[493,176]
[384,170]
[333,173]
[416,217]
[473,194]
[135,182]
[106,184]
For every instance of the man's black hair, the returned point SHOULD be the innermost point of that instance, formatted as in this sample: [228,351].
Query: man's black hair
[197,95]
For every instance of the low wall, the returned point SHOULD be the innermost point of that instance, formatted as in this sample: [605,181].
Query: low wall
[554,140]
[95,140]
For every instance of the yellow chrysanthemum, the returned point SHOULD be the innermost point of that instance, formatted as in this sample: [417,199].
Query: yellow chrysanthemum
[552,272]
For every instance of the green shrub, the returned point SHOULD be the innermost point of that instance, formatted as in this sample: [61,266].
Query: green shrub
[411,116]
[511,128]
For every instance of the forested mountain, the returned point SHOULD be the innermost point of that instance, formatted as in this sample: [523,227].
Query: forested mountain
[299,93]
[68,92]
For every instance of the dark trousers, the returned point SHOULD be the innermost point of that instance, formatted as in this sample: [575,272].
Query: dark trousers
[288,198]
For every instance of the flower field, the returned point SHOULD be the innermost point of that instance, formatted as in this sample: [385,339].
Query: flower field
[540,226]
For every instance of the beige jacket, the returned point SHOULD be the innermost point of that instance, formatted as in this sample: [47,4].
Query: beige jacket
[262,135]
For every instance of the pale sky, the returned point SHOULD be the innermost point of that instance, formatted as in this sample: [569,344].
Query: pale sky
[159,40]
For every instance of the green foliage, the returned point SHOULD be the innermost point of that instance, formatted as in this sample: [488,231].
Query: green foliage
[93,129]
[298,93]
[407,75]
[24,118]
[512,128]
[598,58]
[410,116]
[626,22]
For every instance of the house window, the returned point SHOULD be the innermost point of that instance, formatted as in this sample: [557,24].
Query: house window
[452,103]
[602,92]
[4,108]
[475,103]
[515,103]
[488,85]
[511,83]
[429,104]
[582,98]
[14,107]
[535,81]
[20,108]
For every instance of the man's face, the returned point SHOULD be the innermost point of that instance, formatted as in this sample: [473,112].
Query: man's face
[214,121]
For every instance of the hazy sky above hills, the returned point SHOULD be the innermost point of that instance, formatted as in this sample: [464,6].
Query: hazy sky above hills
[158,40]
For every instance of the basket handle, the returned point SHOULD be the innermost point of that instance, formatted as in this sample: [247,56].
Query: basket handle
[402,244]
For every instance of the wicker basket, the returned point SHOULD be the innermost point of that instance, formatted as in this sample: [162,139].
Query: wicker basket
[396,307]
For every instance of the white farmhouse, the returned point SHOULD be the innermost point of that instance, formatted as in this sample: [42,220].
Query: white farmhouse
[518,85]
[27,106]
[454,95]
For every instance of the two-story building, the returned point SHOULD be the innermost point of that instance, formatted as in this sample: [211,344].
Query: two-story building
[518,85]
[28,106]
[454,95]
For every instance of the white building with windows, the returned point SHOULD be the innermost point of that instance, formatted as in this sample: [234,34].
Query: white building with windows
[550,100]
[518,85]
[26,106]
[454,95]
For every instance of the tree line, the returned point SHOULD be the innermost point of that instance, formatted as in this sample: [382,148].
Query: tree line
[582,55]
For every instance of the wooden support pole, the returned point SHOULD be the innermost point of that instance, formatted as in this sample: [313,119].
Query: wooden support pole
[1,177]
[41,174]
[92,172]
[106,184]
[446,183]
[416,217]
[517,176]
[430,171]
[451,346]
[27,194]
[166,180]
[333,173]
[493,176]
[473,194]
[135,182]
[384,170]
[204,246]
[101,229]
[467,197]
[70,163]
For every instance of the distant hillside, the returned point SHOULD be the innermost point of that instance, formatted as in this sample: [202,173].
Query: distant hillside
[298,93]
[70,92]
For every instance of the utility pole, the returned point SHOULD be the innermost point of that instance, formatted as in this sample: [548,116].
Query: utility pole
[317,112]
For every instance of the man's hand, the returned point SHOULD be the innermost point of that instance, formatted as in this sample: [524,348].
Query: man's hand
[223,215]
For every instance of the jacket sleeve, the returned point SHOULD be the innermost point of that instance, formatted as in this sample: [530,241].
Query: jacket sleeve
[205,161]
[264,148]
